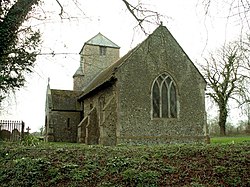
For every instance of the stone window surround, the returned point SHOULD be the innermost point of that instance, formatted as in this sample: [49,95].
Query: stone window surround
[164,77]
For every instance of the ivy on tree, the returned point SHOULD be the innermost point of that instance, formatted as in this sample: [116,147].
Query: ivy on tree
[19,45]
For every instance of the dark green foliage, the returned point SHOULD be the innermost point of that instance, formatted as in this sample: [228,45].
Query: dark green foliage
[140,178]
[18,44]
[30,140]
[166,165]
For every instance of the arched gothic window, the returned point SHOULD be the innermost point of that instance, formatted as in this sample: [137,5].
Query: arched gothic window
[164,99]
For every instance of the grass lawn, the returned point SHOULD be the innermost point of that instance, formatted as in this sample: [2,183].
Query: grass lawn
[230,139]
[63,164]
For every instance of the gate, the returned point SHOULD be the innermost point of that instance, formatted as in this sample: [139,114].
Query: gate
[11,130]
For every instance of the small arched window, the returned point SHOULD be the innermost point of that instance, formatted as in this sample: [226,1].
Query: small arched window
[164,99]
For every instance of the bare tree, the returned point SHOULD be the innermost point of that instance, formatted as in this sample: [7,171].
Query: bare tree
[239,10]
[140,12]
[225,75]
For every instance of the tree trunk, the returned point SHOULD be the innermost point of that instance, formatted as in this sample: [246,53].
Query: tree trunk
[222,120]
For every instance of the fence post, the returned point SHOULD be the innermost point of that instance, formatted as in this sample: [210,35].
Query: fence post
[0,130]
[22,130]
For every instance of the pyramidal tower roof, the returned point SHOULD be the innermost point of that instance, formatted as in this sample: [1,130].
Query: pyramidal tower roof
[101,40]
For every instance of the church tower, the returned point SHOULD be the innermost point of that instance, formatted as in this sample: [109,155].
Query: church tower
[96,54]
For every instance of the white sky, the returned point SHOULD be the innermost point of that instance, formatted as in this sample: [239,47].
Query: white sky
[195,32]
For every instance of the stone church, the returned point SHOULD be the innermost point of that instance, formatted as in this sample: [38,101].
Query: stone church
[153,94]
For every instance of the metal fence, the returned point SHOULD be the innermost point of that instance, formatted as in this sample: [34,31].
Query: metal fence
[11,130]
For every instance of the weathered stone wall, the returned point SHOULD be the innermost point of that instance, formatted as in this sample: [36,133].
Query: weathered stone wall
[48,106]
[63,114]
[62,126]
[92,128]
[109,125]
[93,62]
[160,53]
[81,131]
[78,82]
[105,104]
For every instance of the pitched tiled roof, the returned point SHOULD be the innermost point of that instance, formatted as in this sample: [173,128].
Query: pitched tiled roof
[64,100]
[101,40]
[109,73]
[78,72]
[106,75]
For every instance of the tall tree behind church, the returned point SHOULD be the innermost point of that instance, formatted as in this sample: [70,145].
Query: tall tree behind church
[226,75]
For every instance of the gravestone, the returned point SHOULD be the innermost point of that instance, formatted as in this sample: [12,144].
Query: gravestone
[15,135]
[5,134]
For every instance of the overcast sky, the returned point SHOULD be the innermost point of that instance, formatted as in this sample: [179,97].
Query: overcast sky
[195,32]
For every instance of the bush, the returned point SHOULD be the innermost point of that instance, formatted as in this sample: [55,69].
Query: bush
[30,140]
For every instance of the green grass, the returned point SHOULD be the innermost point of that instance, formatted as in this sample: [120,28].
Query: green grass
[230,139]
[64,164]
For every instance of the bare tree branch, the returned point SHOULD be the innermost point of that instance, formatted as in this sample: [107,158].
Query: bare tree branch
[141,14]
[237,9]
[61,7]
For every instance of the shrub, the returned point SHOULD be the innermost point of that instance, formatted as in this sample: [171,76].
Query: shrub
[30,140]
